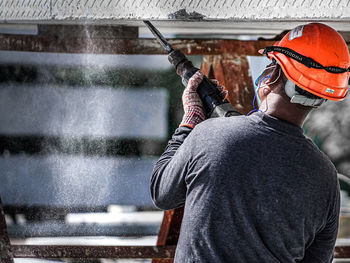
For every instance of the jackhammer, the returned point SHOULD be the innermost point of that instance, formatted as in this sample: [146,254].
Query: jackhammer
[213,103]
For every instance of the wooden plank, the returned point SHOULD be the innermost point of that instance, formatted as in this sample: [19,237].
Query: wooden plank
[37,251]
[5,245]
[128,46]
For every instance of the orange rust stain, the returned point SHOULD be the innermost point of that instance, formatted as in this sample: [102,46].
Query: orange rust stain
[232,72]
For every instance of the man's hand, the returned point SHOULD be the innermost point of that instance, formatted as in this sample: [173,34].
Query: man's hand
[193,107]
[223,92]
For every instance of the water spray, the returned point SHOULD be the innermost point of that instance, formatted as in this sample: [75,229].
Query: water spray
[213,103]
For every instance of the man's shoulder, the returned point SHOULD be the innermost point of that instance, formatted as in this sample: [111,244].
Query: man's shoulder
[320,154]
[223,123]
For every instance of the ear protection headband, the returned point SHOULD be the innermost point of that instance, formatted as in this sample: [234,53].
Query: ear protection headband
[300,96]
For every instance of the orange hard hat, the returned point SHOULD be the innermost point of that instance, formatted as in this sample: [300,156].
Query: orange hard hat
[316,58]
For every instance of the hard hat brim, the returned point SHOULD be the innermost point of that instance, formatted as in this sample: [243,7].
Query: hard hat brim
[336,92]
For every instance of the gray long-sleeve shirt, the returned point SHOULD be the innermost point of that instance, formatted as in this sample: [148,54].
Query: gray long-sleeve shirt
[255,189]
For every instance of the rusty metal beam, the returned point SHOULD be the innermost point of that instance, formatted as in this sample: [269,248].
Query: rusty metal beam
[88,31]
[5,245]
[342,252]
[169,231]
[170,228]
[31,251]
[127,46]
[160,252]
[232,72]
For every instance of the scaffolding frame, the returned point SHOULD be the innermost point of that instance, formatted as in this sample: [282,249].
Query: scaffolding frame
[221,55]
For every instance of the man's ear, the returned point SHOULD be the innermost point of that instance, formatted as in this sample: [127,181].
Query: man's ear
[266,90]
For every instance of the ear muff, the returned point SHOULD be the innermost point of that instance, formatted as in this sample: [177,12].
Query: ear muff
[300,96]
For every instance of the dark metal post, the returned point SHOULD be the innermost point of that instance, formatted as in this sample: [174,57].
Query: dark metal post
[5,246]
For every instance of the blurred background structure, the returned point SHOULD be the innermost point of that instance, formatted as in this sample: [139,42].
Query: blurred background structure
[88,102]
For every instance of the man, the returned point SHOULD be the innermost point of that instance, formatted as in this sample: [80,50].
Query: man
[255,189]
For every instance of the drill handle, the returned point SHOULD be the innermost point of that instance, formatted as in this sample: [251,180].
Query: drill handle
[206,90]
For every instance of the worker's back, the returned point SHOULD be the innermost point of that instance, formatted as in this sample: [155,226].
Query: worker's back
[256,190]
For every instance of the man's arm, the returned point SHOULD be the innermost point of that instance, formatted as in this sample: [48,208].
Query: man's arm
[322,248]
[168,187]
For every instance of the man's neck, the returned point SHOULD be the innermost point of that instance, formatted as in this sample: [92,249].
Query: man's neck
[283,110]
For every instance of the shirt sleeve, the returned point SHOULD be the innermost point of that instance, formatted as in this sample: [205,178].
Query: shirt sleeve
[322,248]
[168,187]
